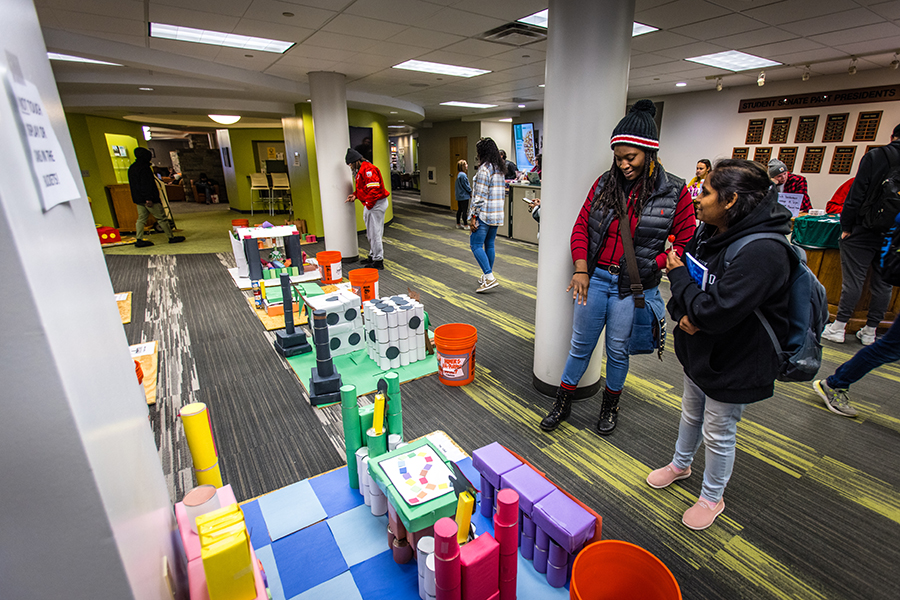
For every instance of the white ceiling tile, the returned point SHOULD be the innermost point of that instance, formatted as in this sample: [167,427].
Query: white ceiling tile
[506,11]
[801,58]
[773,51]
[133,39]
[833,22]
[124,9]
[99,23]
[201,51]
[861,34]
[467,60]
[236,57]
[234,8]
[338,41]
[646,60]
[523,56]
[789,11]
[767,35]
[888,10]
[460,22]
[304,16]
[47,18]
[363,27]
[355,70]
[680,12]
[732,24]
[407,12]
[425,38]
[742,5]
[691,50]
[399,52]
[372,60]
[275,31]
[174,15]
[477,48]
[305,51]
[878,45]
[658,40]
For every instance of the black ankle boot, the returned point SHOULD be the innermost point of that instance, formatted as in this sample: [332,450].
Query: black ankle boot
[609,413]
[562,408]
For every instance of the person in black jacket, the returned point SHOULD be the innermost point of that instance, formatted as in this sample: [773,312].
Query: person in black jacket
[145,195]
[861,247]
[728,358]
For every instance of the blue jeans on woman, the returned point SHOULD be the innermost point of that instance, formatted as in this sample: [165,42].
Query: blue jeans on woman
[604,308]
[717,422]
[482,243]
[885,349]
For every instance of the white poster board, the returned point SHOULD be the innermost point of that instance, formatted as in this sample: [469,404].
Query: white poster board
[791,201]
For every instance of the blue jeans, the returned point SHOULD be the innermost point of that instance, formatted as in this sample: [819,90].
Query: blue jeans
[482,243]
[885,349]
[717,421]
[604,308]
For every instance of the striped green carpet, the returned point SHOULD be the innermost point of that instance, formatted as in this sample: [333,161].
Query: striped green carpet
[813,510]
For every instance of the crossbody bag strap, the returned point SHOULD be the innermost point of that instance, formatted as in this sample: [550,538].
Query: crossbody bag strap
[637,290]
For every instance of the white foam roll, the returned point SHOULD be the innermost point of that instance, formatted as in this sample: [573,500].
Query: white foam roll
[395,362]
[420,352]
[421,579]
[403,327]
[412,341]
[364,473]
[424,548]
[405,358]
[360,476]
[403,344]
[381,319]
[379,503]
[393,440]
[429,576]
[384,363]
[393,319]
[394,335]
[382,336]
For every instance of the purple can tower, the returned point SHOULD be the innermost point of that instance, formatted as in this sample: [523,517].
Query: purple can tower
[325,382]
[291,341]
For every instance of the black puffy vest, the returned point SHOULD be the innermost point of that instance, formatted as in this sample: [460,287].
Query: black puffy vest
[650,235]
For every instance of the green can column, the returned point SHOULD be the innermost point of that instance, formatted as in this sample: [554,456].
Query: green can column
[352,432]
[395,406]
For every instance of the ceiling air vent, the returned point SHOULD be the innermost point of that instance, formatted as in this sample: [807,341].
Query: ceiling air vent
[515,34]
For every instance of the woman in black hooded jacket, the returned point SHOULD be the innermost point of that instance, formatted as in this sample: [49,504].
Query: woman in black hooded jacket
[728,358]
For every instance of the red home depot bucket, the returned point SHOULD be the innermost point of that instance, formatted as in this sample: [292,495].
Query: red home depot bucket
[612,569]
[240,222]
[455,343]
[330,266]
[364,283]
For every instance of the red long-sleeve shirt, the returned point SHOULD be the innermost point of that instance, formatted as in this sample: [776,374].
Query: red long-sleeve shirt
[369,185]
[611,249]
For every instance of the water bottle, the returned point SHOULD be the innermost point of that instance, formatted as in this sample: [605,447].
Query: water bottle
[257,294]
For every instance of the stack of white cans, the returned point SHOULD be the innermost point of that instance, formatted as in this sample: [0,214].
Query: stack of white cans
[344,318]
[395,331]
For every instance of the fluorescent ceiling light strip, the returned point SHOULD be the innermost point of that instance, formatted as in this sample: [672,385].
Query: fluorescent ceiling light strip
[732,60]
[468,104]
[396,126]
[539,19]
[217,38]
[439,68]
[70,58]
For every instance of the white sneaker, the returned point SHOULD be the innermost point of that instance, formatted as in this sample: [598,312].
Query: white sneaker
[487,284]
[866,335]
[834,332]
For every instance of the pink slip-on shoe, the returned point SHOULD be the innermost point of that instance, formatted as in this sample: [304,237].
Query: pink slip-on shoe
[702,514]
[665,476]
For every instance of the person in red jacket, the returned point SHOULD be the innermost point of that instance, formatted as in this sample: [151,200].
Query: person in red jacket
[371,192]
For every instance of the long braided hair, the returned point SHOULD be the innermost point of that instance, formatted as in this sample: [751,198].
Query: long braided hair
[612,195]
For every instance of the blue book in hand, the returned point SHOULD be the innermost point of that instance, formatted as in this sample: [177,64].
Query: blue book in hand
[699,272]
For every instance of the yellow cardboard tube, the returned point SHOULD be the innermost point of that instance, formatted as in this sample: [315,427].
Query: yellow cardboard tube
[198,431]
[210,476]
[378,419]
[464,516]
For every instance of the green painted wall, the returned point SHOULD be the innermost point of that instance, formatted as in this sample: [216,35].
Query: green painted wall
[94,156]
[244,157]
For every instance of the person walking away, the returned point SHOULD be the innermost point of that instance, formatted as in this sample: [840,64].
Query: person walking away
[728,356]
[463,193]
[654,204]
[371,192]
[145,196]
[486,210]
[861,246]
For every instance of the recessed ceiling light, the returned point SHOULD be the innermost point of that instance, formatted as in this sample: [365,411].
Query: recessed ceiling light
[442,69]
[506,120]
[539,19]
[70,58]
[468,104]
[393,112]
[287,14]
[681,84]
[732,60]
[146,89]
[225,119]
[541,85]
[521,106]
[147,135]
[396,126]
[217,38]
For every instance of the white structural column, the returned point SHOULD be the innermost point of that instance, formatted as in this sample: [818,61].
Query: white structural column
[328,93]
[588,54]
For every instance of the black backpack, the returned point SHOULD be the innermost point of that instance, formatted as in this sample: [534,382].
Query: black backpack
[807,313]
[882,204]
[890,255]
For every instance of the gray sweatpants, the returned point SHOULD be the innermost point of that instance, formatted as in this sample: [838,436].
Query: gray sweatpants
[144,213]
[860,251]
[374,219]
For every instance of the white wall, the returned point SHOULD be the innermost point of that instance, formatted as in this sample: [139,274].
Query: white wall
[708,125]
[501,133]
[434,151]
[86,512]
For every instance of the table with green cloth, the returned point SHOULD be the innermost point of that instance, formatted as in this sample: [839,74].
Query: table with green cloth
[817,232]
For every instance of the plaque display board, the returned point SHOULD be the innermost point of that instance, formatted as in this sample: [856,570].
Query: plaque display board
[870,147]
[806,130]
[842,161]
[812,159]
[755,130]
[762,155]
[740,153]
[788,155]
[867,126]
[779,133]
[835,125]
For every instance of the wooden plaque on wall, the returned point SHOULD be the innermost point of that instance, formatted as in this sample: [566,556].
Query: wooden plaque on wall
[755,130]
[867,126]
[806,130]
[762,155]
[740,153]
[835,126]
[871,147]
[788,155]
[812,159]
[779,133]
[842,161]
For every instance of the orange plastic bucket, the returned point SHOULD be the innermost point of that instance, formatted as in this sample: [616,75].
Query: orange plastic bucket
[330,266]
[615,569]
[364,283]
[455,343]
[240,222]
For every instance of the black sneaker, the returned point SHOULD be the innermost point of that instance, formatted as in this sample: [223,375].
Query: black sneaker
[378,264]
[177,239]
[143,244]
[366,261]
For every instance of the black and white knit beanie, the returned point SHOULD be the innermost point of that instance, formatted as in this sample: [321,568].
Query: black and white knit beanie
[637,128]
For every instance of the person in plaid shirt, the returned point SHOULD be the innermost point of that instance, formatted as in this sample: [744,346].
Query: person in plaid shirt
[789,183]
[486,209]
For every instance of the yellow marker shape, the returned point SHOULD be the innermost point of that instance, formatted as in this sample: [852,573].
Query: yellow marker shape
[464,516]
[378,418]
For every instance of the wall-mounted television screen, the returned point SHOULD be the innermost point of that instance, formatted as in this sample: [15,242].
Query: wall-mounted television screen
[526,146]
